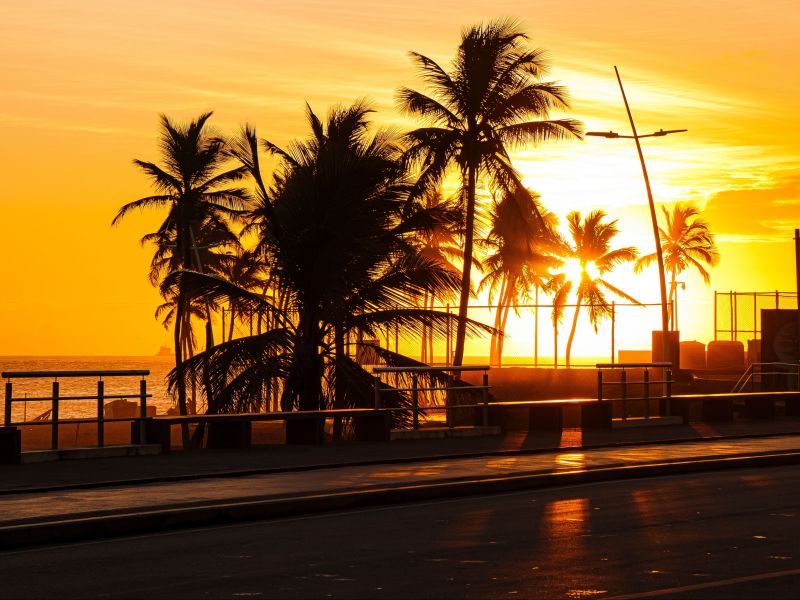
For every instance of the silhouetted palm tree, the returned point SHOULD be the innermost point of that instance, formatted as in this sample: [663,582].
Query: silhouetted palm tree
[492,97]
[193,185]
[591,246]
[522,256]
[687,242]
[337,239]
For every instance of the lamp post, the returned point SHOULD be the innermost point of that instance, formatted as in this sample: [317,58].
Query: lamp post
[666,354]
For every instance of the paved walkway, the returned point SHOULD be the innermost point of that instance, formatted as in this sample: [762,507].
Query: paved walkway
[209,463]
[30,508]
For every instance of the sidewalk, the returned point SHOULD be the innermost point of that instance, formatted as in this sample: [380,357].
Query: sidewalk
[402,471]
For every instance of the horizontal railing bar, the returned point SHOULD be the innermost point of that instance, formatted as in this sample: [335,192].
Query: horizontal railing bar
[111,373]
[74,421]
[652,381]
[134,395]
[633,365]
[434,389]
[431,369]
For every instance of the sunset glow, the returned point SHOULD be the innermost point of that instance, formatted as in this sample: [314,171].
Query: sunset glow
[84,83]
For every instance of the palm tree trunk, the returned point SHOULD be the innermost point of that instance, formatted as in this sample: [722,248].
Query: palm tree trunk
[338,379]
[463,304]
[179,310]
[670,303]
[501,338]
[498,317]
[423,357]
[572,331]
[555,346]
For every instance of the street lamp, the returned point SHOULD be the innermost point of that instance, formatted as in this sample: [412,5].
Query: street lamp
[666,354]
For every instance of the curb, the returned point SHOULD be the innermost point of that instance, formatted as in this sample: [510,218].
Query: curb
[384,461]
[116,525]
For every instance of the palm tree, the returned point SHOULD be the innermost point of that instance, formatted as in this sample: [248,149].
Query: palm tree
[522,247]
[591,247]
[493,97]
[193,185]
[687,242]
[337,240]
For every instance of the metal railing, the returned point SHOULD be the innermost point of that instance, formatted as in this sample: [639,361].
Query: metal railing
[755,373]
[56,398]
[645,382]
[415,389]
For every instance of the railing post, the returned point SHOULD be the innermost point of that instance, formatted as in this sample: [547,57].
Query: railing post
[100,412]
[798,374]
[623,378]
[599,385]
[7,418]
[669,385]
[485,398]
[415,399]
[376,383]
[142,411]
[647,393]
[54,418]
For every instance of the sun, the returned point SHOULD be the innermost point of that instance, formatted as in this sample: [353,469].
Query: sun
[574,270]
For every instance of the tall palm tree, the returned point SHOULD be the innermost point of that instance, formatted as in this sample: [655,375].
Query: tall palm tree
[687,242]
[492,98]
[194,186]
[591,247]
[337,239]
[522,256]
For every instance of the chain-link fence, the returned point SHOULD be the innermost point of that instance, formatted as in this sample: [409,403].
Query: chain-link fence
[737,315]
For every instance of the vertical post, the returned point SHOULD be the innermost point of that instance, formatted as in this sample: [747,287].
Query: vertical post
[485,398]
[623,378]
[613,327]
[797,276]
[777,300]
[647,393]
[447,338]
[536,328]
[100,412]
[669,383]
[376,383]
[730,303]
[735,315]
[142,410]
[715,315]
[7,417]
[599,385]
[415,399]
[755,318]
[54,418]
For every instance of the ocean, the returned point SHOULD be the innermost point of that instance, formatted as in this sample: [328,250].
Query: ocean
[158,366]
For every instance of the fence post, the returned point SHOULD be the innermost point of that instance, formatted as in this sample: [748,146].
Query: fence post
[669,391]
[142,411]
[376,383]
[599,385]
[485,398]
[415,399]
[7,418]
[623,377]
[100,412]
[647,393]
[54,418]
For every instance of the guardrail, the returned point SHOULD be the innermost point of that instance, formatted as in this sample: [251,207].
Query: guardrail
[56,398]
[645,382]
[415,389]
[756,371]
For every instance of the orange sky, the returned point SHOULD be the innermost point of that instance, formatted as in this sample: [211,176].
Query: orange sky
[84,81]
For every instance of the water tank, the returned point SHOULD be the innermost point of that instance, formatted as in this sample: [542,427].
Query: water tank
[693,355]
[725,354]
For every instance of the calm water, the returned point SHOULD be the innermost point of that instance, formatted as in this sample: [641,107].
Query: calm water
[158,366]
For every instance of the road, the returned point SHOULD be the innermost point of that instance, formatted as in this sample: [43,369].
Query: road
[730,534]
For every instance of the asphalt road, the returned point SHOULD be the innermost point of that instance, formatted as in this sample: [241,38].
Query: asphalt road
[731,534]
